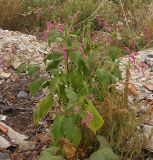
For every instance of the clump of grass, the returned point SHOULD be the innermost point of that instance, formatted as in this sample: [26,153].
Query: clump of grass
[9,11]
[122,125]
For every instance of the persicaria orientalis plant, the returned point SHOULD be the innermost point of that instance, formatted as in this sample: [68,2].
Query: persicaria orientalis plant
[75,74]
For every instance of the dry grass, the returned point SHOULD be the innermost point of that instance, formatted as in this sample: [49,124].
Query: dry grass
[9,13]
[122,125]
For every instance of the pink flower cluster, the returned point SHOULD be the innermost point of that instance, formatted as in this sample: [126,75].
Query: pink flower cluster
[88,119]
[39,13]
[53,25]
[147,34]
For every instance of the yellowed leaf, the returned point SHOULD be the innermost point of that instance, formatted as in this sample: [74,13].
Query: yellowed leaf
[68,148]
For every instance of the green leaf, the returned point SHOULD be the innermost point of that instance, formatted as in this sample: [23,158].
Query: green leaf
[43,107]
[103,142]
[33,69]
[71,131]
[52,64]
[35,86]
[50,154]
[57,127]
[77,136]
[62,93]
[69,106]
[75,57]
[82,68]
[97,120]
[104,77]
[114,52]
[75,79]
[54,60]
[104,154]
[68,127]
[53,36]
[71,95]
[117,73]
[22,67]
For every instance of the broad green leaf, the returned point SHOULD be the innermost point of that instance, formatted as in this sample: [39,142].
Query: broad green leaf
[50,154]
[98,92]
[68,127]
[33,69]
[75,57]
[69,106]
[62,95]
[104,154]
[35,86]
[54,84]
[54,60]
[22,67]
[57,129]
[43,107]
[52,64]
[97,120]
[71,131]
[53,36]
[82,68]
[103,142]
[104,77]
[71,95]
[77,136]
[117,73]
[75,79]
[114,52]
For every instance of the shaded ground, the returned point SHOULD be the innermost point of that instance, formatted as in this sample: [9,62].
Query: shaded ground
[19,112]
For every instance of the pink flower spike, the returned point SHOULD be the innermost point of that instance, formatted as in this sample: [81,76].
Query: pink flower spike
[98,20]
[89,118]
[133,44]
[52,49]
[49,26]
[127,49]
[104,23]
[65,53]
[82,52]
[38,13]
[59,47]
[76,110]
[143,67]
[45,35]
[147,34]
[94,38]
[132,58]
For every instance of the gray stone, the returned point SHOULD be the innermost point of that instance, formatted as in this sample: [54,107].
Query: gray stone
[22,94]
[4,156]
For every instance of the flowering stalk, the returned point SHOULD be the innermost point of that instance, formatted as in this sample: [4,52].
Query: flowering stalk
[147,34]
[82,52]
[89,118]
[65,54]
[99,21]
[38,13]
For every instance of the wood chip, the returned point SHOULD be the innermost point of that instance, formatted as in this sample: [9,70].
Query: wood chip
[132,89]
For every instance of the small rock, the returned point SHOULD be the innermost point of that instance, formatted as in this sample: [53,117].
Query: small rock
[149,86]
[2,117]
[5,75]
[4,143]
[148,132]
[16,64]
[4,156]
[22,94]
